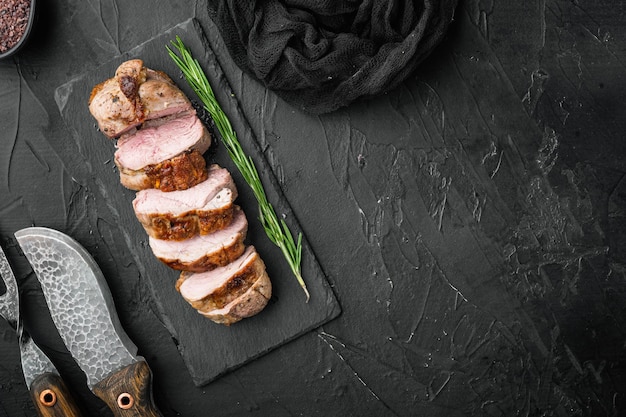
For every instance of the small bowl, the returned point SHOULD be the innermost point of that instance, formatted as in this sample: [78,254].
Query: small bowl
[27,31]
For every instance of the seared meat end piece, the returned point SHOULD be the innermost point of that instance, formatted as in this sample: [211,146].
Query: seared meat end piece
[167,156]
[113,110]
[204,252]
[201,209]
[135,94]
[230,293]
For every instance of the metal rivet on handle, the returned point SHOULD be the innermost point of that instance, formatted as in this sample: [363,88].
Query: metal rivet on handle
[125,401]
[48,398]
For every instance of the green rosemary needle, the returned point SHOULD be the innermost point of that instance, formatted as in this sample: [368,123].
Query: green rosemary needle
[277,231]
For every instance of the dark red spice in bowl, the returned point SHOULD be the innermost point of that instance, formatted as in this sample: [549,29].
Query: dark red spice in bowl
[15,20]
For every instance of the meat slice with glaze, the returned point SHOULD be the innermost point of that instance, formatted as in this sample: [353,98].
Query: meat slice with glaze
[167,155]
[228,294]
[204,252]
[246,305]
[201,209]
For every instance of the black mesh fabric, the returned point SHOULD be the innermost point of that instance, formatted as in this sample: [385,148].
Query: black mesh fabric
[322,55]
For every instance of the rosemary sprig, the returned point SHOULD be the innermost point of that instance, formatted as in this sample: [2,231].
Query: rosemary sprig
[277,231]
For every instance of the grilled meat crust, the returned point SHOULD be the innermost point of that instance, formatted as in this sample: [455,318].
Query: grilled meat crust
[250,303]
[227,254]
[202,209]
[178,173]
[240,294]
[196,222]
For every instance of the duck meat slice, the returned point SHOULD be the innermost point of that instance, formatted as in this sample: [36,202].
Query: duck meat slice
[226,294]
[201,209]
[135,94]
[250,303]
[167,156]
[204,252]
[115,103]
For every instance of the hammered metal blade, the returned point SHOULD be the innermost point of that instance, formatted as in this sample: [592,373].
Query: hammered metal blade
[34,361]
[9,301]
[79,301]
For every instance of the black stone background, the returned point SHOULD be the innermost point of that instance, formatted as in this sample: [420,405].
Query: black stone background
[471,222]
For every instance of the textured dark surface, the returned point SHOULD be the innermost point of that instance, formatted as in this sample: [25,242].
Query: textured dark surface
[472,222]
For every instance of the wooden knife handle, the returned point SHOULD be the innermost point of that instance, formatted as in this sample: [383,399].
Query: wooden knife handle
[128,392]
[52,398]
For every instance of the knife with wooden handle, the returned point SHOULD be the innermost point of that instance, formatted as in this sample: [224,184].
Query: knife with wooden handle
[52,398]
[50,395]
[83,311]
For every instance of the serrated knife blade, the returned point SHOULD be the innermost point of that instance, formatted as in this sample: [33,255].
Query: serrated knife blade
[49,393]
[83,311]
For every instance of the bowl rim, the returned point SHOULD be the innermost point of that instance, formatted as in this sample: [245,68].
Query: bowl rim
[22,41]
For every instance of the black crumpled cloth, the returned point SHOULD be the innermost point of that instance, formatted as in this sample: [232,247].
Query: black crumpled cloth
[322,55]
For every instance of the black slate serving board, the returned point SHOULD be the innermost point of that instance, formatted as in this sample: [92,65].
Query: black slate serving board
[208,349]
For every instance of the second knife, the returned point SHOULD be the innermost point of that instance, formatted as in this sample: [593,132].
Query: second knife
[49,393]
